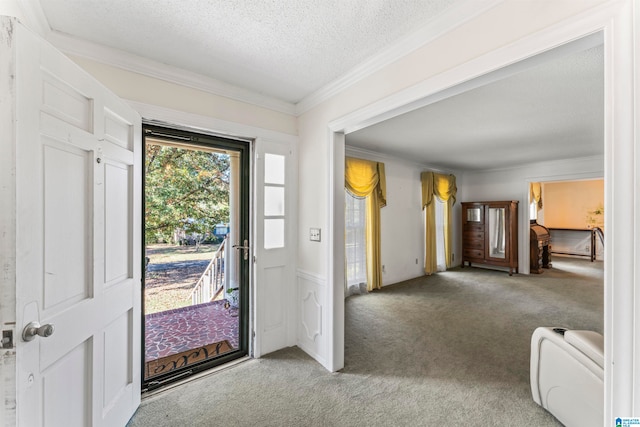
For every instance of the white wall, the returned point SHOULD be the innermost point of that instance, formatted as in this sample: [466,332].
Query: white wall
[402,224]
[513,184]
[152,91]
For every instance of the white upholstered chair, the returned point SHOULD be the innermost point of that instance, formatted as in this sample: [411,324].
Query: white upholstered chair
[567,375]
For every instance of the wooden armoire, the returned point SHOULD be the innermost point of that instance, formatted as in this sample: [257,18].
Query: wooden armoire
[490,234]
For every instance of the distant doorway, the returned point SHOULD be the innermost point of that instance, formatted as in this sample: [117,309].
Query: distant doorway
[195,288]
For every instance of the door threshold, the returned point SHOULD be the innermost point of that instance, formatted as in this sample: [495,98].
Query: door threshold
[148,394]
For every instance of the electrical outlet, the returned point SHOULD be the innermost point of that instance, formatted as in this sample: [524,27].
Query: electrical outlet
[416,261]
[383,269]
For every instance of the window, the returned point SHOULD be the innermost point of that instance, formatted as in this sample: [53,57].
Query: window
[441,261]
[274,204]
[533,210]
[356,258]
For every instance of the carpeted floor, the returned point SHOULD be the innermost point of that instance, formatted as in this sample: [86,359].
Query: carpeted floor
[449,349]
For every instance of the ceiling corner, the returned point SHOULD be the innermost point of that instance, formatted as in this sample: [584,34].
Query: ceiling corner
[438,26]
[36,19]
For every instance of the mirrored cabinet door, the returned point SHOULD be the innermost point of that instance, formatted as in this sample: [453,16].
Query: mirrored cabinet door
[497,232]
[474,214]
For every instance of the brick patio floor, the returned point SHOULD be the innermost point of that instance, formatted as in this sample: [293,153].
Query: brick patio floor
[174,331]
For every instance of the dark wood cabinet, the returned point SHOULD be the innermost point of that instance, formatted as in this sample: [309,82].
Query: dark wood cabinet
[490,234]
[540,247]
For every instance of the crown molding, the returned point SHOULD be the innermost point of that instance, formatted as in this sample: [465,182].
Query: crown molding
[441,24]
[35,17]
[137,64]
[363,153]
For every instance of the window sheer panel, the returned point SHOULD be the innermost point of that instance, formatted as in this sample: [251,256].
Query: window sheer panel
[355,243]
[441,226]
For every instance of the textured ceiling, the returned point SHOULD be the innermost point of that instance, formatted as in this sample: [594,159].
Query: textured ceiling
[554,110]
[286,49]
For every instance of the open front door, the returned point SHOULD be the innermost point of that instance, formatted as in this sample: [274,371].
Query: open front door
[78,227]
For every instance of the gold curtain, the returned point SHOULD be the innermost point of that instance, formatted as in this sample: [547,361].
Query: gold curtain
[364,178]
[535,190]
[444,187]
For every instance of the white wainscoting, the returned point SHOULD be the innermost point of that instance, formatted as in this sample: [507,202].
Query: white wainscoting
[313,315]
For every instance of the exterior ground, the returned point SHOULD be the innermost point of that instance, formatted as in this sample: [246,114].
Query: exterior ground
[172,273]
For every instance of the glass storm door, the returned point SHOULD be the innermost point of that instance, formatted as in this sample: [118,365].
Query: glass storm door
[196,302]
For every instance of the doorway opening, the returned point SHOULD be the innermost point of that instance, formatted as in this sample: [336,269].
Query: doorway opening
[195,288]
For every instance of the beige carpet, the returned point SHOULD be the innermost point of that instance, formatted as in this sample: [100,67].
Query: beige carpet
[449,349]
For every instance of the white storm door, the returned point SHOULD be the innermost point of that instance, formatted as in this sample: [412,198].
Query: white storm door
[78,226]
[275,245]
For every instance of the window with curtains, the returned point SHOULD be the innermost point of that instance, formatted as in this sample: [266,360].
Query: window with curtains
[355,245]
[535,199]
[438,197]
[366,179]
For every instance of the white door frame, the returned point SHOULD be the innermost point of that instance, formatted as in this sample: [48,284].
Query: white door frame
[620,24]
[208,125]
[525,216]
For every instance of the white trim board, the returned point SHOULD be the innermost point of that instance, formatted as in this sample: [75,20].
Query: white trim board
[207,124]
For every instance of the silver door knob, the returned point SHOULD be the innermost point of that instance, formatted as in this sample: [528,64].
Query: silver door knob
[34,328]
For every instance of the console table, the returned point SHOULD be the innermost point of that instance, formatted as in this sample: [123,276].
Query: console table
[592,240]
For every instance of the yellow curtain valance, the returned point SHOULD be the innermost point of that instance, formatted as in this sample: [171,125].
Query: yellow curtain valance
[443,186]
[362,177]
[535,190]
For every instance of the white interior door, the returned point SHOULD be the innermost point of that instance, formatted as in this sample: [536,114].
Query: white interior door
[274,245]
[78,225]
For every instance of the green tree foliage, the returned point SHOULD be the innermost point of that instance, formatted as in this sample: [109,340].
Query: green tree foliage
[185,190]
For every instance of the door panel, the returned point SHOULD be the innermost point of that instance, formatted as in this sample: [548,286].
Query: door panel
[68,373]
[117,262]
[67,253]
[274,246]
[78,221]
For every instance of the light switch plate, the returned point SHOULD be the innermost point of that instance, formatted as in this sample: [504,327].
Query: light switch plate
[314,234]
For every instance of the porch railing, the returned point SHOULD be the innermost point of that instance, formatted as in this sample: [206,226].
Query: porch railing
[212,280]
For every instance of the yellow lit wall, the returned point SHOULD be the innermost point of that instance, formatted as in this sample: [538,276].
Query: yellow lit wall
[572,204]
